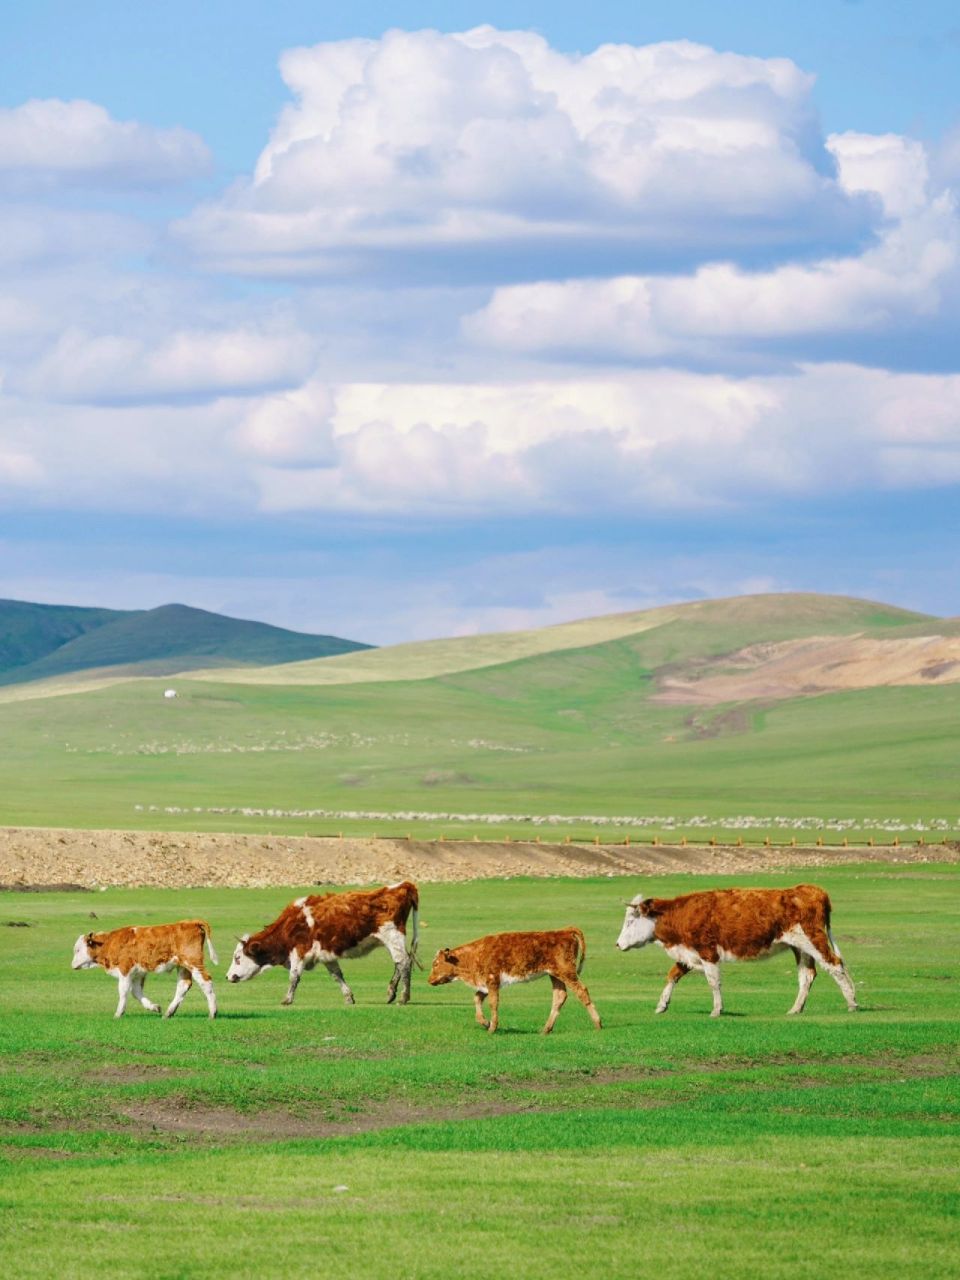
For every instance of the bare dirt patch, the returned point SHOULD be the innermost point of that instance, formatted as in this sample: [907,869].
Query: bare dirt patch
[45,858]
[812,665]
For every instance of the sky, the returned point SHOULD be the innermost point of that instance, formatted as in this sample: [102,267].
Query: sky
[395,321]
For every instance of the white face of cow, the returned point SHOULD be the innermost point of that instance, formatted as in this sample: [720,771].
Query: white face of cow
[638,929]
[243,966]
[82,959]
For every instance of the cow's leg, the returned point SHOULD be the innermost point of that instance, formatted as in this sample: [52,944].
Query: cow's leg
[335,972]
[806,972]
[559,1000]
[478,999]
[202,979]
[124,984]
[184,983]
[711,972]
[395,940]
[137,990]
[494,997]
[818,946]
[673,977]
[296,973]
[583,995]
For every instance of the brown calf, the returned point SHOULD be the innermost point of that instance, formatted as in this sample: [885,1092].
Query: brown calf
[699,930]
[130,954]
[504,958]
[329,927]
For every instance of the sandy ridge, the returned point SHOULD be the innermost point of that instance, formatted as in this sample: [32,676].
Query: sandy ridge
[39,856]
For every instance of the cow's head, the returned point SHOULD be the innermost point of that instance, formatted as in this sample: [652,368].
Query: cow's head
[85,951]
[247,961]
[446,967]
[638,925]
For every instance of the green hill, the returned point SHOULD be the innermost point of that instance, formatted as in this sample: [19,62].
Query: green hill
[565,740]
[29,632]
[38,642]
[700,628]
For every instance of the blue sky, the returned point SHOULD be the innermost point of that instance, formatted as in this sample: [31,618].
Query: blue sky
[404,320]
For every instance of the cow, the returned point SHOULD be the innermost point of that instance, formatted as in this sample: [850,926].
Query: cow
[130,954]
[700,930]
[330,927]
[500,959]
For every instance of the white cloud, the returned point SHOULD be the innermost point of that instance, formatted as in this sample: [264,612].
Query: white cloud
[891,284]
[293,430]
[422,149]
[51,141]
[654,441]
[111,368]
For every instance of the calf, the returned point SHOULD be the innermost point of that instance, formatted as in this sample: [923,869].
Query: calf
[504,958]
[130,954]
[699,930]
[330,927]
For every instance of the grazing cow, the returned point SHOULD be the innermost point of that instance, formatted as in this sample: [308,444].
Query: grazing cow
[130,954]
[504,958]
[699,930]
[330,927]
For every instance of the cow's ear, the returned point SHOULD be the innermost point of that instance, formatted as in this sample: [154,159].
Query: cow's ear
[648,907]
[91,941]
[451,957]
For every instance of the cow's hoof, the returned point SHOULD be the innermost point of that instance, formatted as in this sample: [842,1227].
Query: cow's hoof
[405,998]
[391,996]
[285,1003]
[660,1009]
[349,1000]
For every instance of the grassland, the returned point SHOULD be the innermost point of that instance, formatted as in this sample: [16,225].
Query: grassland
[571,731]
[538,737]
[405,1139]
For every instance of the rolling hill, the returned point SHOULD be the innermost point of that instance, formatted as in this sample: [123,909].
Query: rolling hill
[756,713]
[39,642]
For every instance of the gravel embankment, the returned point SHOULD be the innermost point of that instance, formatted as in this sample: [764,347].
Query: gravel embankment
[47,857]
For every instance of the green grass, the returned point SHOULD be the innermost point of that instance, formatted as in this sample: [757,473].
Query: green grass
[755,1144]
[521,739]
[571,732]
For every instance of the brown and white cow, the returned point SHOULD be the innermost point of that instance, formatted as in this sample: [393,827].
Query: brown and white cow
[501,959]
[130,954]
[700,930]
[326,928]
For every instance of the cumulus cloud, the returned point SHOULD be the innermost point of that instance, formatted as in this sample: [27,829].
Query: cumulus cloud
[656,444]
[654,441]
[423,152]
[193,364]
[899,280]
[48,141]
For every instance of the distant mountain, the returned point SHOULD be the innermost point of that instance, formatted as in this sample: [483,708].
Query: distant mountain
[39,641]
[29,632]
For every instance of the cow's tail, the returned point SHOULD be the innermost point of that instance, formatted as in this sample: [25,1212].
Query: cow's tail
[827,908]
[581,946]
[208,939]
[413,937]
